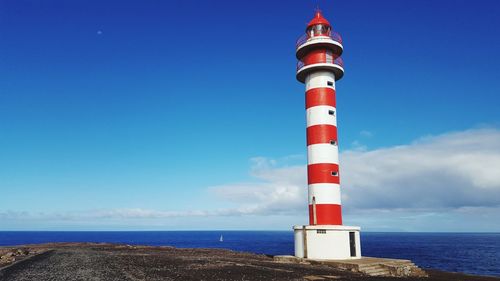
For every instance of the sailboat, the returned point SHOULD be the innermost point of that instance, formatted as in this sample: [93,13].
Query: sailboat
[221,239]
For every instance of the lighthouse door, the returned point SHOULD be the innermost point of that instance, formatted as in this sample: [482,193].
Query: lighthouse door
[352,243]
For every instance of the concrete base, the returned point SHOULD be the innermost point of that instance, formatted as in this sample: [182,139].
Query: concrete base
[365,265]
[327,242]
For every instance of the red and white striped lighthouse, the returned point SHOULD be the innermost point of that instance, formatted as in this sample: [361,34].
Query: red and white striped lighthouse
[319,66]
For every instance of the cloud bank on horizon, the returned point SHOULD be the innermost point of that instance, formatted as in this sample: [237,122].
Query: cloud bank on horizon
[430,184]
[443,179]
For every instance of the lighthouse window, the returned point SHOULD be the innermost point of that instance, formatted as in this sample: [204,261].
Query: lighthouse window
[321,231]
[329,83]
[331,112]
[320,29]
[333,142]
[335,173]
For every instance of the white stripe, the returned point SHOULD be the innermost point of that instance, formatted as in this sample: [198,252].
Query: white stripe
[320,79]
[322,153]
[320,114]
[318,40]
[324,193]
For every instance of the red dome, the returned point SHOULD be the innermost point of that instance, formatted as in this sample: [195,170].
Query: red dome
[318,19]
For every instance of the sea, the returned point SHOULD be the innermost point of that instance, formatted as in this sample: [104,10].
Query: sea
[471,253]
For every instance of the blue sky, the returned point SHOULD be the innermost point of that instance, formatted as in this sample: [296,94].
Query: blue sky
[187,115]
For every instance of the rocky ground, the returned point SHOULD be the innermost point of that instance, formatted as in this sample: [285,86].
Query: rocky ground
[11,255]
[124,262]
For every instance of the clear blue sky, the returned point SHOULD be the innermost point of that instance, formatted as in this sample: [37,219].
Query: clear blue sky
[154,107]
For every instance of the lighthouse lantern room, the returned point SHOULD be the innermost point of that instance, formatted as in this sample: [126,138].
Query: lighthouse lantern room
[319,66]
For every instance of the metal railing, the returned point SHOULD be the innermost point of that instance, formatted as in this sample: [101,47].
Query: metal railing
[338,61]
[333,35]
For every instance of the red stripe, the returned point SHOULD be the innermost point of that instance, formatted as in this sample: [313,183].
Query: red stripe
[320,96]
[321,134]
[326,214]
[322,173]
[315,56]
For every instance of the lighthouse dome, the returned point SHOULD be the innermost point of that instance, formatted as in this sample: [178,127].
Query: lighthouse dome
[318,19]
[318,26]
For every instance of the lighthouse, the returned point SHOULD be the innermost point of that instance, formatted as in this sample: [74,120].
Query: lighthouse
[319,67]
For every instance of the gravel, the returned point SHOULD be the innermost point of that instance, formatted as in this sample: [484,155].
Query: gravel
[124,262]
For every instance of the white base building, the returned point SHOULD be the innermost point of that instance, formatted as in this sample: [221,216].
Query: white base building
[327,242]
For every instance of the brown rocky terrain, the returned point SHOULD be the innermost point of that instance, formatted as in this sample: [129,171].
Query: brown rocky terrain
[11,255]
[86,261]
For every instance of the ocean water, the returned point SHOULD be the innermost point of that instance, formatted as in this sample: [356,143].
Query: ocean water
[473,253]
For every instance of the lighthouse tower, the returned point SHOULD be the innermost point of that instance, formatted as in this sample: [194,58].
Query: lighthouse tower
[319,66]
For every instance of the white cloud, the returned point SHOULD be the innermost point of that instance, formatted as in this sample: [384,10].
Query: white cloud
[453,170]
[445,179]
[366,134]
[280,190]
[358,146]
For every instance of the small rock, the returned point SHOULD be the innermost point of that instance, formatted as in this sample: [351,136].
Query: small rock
[331,276]
[7,255]
[313,277]
[5,259]
[22,252]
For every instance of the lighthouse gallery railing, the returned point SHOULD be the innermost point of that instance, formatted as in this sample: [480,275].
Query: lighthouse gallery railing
[334,36]
[338,61]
